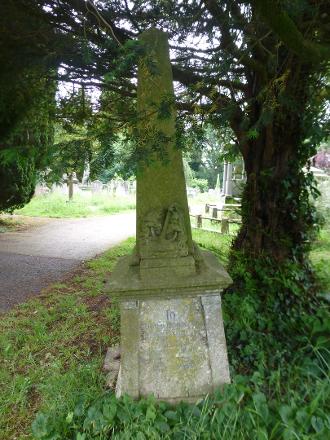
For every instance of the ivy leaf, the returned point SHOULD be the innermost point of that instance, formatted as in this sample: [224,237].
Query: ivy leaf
[40,426]
[252,134]
[69,418]
[286,413]
[317,424]
[151,413]
[109,411]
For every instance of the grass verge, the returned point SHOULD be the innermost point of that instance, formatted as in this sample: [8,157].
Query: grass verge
[9,223]
[82,205]
[53,347]
[320,257]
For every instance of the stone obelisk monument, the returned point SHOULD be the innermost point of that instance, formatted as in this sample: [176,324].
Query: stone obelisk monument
[172,338]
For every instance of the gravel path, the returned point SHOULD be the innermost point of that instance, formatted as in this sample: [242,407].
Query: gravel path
[32,259]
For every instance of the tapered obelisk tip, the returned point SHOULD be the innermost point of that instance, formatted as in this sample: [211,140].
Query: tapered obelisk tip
[163,225]
[172,338]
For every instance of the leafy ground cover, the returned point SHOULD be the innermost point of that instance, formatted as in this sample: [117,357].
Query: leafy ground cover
[82,205]
[53,347]
[11,223]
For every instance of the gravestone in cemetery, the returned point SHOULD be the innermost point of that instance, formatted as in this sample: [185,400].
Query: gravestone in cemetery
[228,188]
[217,185]
[172,336]
[224,177]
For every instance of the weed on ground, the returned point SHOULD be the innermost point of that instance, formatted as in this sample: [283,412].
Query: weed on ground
[53,347]
[13,223]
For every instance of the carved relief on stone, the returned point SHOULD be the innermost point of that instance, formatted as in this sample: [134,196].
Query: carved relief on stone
[163,234]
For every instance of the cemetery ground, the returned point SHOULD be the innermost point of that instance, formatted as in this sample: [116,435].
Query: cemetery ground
[53,348]
[82,205]
[56,205]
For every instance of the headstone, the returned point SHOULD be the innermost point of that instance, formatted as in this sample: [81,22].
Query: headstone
[120,187]
[114,187]
[217,185]
[86,174]
[41,189]
[229,180]
[172,337]
[96,186]
[224,177]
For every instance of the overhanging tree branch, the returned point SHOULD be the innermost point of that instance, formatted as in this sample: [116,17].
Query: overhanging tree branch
[279,20]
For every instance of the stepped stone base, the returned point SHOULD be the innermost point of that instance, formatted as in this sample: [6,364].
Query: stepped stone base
[174,348]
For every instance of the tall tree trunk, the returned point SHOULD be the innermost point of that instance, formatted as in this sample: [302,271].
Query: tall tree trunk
[268,226]
[274,221]
[276,214]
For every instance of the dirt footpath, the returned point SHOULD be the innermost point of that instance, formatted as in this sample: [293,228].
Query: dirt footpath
[32,258]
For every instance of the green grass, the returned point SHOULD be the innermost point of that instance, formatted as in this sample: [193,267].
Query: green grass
[51,354]
[82,205]
[211,225]
[52,347]
[320,257]
[215,242]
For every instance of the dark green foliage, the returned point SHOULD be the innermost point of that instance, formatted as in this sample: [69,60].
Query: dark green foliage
[268,312]
[279,350]
[75,145]
[27,100]
[259,72]
[25,39]
[25,149]
[206,148]
[117,144]
[279,19]
[280,386]
[244,410]
[17,181]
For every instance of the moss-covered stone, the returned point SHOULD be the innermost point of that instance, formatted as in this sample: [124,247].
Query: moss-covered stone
[160,180]
[172,338]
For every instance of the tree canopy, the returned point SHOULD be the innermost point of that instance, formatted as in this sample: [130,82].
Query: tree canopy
[259,66]
[27,100]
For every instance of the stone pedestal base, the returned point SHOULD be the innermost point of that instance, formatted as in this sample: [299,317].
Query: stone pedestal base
[173,348]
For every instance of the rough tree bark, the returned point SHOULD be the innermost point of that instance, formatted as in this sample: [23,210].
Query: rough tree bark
[273,222]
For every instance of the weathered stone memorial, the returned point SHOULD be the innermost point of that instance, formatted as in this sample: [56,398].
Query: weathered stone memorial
[172,337]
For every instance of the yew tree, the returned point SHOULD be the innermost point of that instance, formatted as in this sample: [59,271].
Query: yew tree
[258,65]
[27,99]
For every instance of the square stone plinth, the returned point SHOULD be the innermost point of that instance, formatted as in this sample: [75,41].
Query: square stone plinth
[173,348]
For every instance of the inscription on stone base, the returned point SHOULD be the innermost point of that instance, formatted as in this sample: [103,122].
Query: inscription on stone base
[176,348]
